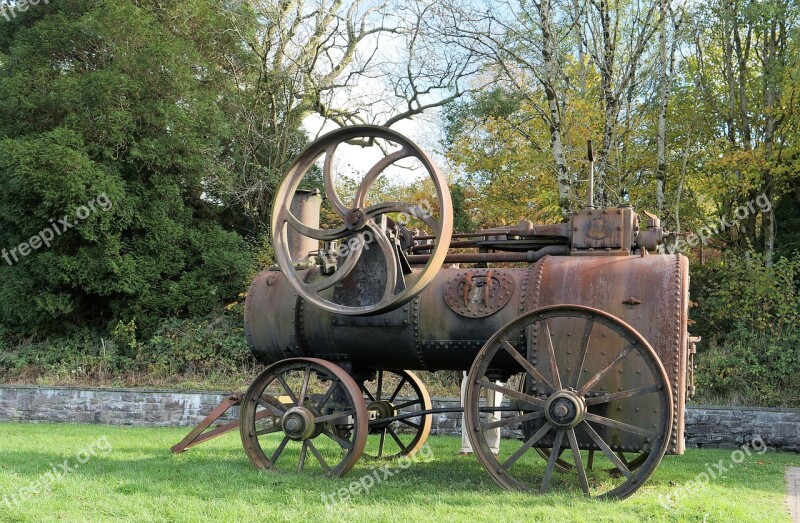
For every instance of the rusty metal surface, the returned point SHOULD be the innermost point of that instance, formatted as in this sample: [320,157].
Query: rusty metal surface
[305,205]
[603,231]
[495,257]
[478,293]
[359,219]
[597,381]
[428,334]
[660,282]
[198,434]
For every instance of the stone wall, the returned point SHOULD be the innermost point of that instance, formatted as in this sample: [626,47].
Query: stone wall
[706,427]
[142,408]
[729,427]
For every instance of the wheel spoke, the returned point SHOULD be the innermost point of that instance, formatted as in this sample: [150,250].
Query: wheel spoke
[310,232]
[587,332]
[377,169]
[380,385]
[317,455]
[397,440]
[303,451]
[369,394]
[504,422]
[397,390]
[270,407]
[608,422]
[330,185]
[530,369]
[327,395]
[552,461]
[287,389]
[271,430]
[606,449]
[344,443]
[279,450]
[304,387]
[576,456]
[379,209]
[551,354]
[410,424]
[512,393]
[597,377]
[408,404]
[527,445]
[334,416]
[641,391]
[383,440]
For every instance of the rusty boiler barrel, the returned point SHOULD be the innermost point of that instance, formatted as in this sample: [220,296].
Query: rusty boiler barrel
[446,325]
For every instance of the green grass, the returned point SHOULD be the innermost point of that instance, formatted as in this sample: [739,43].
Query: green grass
[139,480]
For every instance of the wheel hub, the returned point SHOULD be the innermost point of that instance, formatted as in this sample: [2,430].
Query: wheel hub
[565,409]
[384,409]
[298,424]
[355,219]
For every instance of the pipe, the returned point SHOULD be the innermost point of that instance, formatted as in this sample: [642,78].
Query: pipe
[494,257]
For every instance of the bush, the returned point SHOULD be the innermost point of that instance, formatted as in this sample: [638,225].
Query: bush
[751,368]
[133,115]
[748,313]
[744,292]
[208,352]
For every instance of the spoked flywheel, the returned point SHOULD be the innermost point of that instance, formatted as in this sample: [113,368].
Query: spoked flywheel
[358,224]
[594,390]
[396,393]
[307,414]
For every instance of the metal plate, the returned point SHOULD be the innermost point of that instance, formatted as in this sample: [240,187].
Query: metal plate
[478,293]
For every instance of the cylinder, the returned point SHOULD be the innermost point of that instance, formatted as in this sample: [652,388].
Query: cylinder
[305,206]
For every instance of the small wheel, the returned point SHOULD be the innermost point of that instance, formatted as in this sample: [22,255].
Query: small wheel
[305,413]
[392,393]
[592,384]
[362,222]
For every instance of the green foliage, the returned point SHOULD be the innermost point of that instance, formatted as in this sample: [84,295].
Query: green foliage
[113,98]
[751,368]
[462,220]
[748,313]
[179,350]
[745,292]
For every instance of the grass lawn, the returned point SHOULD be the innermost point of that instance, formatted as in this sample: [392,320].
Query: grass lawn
[133,477]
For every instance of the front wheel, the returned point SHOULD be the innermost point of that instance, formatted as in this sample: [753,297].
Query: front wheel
[304,413]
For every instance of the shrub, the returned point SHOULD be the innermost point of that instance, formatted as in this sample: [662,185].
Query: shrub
[199,353]
[748,313]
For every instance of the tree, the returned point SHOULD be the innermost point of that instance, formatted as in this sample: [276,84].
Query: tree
[751,44]
[109,103]
[346,61]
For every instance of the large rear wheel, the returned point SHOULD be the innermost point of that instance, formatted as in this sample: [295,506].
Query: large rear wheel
[593,385]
